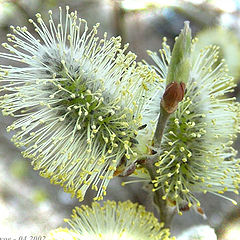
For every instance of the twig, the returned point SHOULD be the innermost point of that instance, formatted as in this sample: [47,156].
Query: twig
[173,94]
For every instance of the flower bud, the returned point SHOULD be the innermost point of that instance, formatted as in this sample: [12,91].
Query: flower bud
[173,94]
[179,67]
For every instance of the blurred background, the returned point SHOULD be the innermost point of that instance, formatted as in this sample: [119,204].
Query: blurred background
[29,204]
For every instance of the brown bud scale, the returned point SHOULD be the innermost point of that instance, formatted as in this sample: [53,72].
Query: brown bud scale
[173,94]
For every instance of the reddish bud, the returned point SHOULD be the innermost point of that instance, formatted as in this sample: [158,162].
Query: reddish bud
[200,211]
[173,94]
[171,202]
[184,207]
[121,167]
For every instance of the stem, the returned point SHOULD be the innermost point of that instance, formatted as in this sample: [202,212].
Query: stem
[162,120]
[166,213]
